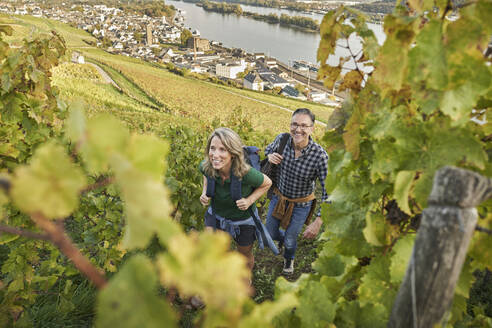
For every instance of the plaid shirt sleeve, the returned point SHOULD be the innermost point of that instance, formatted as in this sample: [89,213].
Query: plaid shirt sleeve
[270,149]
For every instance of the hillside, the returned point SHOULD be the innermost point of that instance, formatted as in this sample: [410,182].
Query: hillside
[185,97]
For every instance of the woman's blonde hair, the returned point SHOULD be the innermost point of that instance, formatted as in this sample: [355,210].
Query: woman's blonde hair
[232,142]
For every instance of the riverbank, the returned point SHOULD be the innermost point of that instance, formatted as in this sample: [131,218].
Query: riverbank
[300,22]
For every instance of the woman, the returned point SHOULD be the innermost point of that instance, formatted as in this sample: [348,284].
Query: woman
[224,160]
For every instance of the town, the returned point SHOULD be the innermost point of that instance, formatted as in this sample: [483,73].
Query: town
[166,40]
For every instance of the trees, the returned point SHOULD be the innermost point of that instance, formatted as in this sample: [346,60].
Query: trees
[185,35]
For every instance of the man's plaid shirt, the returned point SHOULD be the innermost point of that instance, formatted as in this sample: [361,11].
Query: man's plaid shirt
[296,177]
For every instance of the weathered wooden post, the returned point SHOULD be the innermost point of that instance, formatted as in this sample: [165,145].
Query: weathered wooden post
[440,248]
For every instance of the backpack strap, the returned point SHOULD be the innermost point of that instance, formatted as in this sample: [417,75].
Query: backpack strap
[283,142]
[236,186]
[210,187]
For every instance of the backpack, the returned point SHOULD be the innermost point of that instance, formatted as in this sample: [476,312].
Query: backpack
[270,169]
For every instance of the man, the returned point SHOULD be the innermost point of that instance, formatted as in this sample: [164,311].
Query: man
[301,163]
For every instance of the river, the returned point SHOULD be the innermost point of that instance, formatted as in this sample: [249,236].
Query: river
[284,43]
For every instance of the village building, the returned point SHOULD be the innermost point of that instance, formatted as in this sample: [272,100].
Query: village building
[280,73]
[253,81]
[166,55]
[271,79]
[230,69]
[198,44]
[292,92]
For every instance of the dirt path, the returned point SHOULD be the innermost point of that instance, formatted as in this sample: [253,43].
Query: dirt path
[105,75]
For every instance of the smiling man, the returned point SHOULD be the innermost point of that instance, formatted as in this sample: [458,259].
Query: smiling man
[301,163]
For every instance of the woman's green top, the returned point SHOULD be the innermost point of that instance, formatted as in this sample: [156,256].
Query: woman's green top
[223,203]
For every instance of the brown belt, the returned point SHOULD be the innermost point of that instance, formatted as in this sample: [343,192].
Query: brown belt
[283,213]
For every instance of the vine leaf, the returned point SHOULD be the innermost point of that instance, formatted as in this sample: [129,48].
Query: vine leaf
[392,60]
[375,230]
[263,314]
[315,308]
[351,314]
[375,285]
[401,257]
[351,137]
[146,203]
[50,184]
[130,298]
[193,264]
[104,136]
[147,154]
[403,183]
[352,81]
[427,60]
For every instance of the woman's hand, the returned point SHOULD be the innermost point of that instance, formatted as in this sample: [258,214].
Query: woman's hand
[243,204]
[204,199]
[275,158]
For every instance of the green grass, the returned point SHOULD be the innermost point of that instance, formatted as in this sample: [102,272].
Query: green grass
[98,95]
[128,86]
[55,309]
[29,26]
[204,101]
[322,112]
[268,268]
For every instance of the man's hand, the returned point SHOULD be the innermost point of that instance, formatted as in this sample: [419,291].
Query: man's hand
[275,158]
[204,199]
[313,229]
[243,204]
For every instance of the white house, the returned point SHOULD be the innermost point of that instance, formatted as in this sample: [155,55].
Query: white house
[230,69]
[253,81]
[317,96]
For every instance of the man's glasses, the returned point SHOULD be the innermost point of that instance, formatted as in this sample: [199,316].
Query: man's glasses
[303,127]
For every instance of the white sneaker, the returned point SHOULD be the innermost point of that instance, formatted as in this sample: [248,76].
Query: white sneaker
[288,266]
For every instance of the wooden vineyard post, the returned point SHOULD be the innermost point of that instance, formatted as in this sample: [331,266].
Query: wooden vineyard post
[440,248]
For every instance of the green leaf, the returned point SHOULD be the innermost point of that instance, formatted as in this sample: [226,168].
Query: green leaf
[481,245]
[146,203]
[402,252]
[263,314]
[375,230]
[129,300]
[427,60]
[148,154]
[104,137]
[392,60]
[315,308]
[373,316]
[351,137]
[329,265]
[423,187]
[403,183]
[75,125]
[193,264]
[50,184]
[375,286]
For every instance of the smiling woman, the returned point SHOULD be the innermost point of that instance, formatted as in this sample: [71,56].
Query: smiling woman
[225,163]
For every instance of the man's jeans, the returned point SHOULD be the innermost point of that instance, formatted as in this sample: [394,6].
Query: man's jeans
[288,237]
